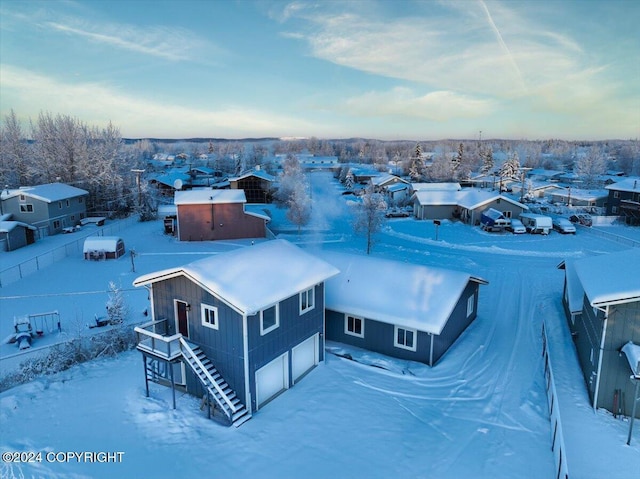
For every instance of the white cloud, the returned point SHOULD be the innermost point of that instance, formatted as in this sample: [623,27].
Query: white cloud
[137,117]
[403,102]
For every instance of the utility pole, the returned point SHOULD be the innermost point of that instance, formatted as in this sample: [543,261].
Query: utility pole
[138,174]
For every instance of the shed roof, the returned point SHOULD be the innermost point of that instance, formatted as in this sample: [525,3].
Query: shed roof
[208,197]
[610,278]
[101,243]
[254,277]
[404,294]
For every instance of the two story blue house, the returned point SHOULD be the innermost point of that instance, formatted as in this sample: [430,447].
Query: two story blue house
[238,328]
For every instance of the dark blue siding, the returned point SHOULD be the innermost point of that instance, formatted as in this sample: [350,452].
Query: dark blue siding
[378,337]
[294,328]
[457,323]
[222,346]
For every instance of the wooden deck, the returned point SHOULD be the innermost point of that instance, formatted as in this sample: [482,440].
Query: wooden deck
[152,340]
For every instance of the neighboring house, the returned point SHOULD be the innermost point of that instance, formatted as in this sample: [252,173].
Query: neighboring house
[168,183]
[601,298]
[14,235]
[407,311]
[466,205]
[238,328]
[624,200]
[207,215]
[312,162]
[435,187]
[256,185]
[578,197]
[394,188]
[50,207]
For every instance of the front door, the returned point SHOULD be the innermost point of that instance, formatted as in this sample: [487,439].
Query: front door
[182,324]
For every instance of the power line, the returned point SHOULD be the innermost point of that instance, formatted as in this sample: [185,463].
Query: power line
[75,293]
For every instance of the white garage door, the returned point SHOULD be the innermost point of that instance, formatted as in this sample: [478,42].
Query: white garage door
[304,356]
[271,379]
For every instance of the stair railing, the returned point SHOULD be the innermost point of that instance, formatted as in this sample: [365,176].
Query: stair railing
[188,353]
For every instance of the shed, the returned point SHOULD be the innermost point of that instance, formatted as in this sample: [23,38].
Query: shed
[103,247]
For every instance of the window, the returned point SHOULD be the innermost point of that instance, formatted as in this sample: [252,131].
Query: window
[616,194]
[56,224]
[68,204]
[80,200]
[307,300]
[614,210]
[405,338]
[470,304]
[506,214]
[269,319]
[60,204]
[26,208]
[209,316]
[353,326]
[23,198]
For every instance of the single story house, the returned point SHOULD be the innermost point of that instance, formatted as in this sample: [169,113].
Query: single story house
[257,185]
[226,328]
[15,234]
[601,298]
[466,205]
[407,311]
[168,183]
[394,188]
[50,208]
[578,197]
[207,215]
[624,200]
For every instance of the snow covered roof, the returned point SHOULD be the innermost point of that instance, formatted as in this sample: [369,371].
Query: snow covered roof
[101,243]
[610,278]
[436,186]
[209,197]
[493,214]
[385,178]
[575,291]
[468,198]
[581,194]
[255,277]
[6,226]
[397,187]
[628,184]
[170,179]
[167,210]
[632,351]
[258,173]
[49,192]
[404,294]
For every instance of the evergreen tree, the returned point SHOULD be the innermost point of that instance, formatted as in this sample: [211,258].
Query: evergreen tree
[486,154]
[116,306]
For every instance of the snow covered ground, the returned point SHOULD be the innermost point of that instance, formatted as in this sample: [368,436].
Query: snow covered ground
[480,412]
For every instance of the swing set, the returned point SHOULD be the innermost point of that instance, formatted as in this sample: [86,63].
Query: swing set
[33,326]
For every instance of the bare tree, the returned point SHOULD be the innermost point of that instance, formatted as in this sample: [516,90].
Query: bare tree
[370,215]
[591,165]
[299,203]
[290,177]
[14,153]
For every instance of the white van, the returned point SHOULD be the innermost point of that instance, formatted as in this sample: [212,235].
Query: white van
[536,223]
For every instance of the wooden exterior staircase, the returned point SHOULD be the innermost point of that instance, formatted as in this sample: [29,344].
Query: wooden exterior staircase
[160,351]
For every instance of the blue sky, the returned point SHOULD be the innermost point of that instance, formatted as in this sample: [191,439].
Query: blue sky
[415,70]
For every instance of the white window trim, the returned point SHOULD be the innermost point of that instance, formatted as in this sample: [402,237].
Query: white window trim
[203,309]
[346,325]
[264,331]
[24,208]
[402,346]
[616,194]
[470,304]
[313,299]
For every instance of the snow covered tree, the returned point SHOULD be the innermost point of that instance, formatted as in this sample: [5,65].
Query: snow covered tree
[458,159]
[510,168]
[441,169]
[591,165]
[290,178]
[416,168]
[116,306]
[299,204]
[370,215]
[486,155]
[14,153]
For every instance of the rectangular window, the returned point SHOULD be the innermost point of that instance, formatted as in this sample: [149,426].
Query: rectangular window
[354,326]
[80,200]
[26,208]
[23,198]
[269,319]
[68,204]
[405,338]
[60,204]
[307,300]
[209,316]
[470,304]
[56,224]
[614,210]
[616,194]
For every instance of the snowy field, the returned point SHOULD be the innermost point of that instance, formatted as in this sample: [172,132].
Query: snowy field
[480,412]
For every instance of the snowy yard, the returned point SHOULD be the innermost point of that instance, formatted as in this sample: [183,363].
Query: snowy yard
[480,412]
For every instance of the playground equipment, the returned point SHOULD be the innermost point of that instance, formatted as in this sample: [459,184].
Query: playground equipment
[32,326]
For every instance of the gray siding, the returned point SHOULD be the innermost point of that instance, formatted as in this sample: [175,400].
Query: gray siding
[44,214]
[587,338]
[623,325]
[293,329]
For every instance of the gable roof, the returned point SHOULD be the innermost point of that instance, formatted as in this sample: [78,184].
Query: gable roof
[610,278]
[49,192]
[436,186]
[385,178]
[209,197]
[469,198]
[7,226]
[628,184]
[404,294]
[263,175]
[252,278]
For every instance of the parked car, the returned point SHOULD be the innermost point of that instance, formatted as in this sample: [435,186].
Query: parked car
[563,225]
[396,213]
[516,227]
[581,218]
